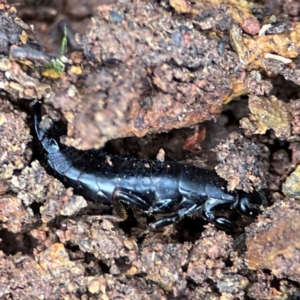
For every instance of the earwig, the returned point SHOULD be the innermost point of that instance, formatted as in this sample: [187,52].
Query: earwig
[168,189]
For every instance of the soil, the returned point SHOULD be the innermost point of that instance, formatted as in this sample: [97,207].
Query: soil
[211,83]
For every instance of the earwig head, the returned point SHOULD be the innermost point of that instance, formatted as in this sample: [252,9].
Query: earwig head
[250,203]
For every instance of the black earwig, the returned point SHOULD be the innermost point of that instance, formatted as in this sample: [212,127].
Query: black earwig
[171,190]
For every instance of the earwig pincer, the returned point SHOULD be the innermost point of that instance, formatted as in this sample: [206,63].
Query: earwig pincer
[166,189]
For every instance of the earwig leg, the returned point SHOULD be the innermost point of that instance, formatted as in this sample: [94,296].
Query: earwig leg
[119,209]
[123,195]
[175,218]
[160,207]
[212,205]
[165,221]
[106,217]
[223,223]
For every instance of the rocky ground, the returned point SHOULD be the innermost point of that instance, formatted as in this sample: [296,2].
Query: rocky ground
[212,83]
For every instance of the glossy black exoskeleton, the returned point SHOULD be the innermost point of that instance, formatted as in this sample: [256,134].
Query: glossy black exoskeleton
[169,189]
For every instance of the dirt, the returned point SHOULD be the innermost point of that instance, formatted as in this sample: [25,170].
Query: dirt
[214,84]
